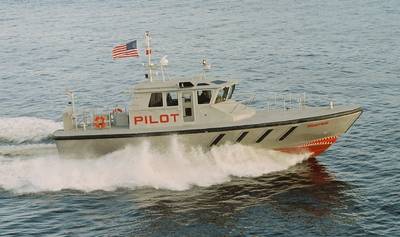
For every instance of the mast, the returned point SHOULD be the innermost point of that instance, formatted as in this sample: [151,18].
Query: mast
[148,53]
[206,67]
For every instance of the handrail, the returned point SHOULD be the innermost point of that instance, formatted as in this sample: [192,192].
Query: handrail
[273,101]
[84,118]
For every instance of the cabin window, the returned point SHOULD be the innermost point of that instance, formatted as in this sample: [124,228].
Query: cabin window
[218,82]
[156,100]
[222,94]
[219,96]
[231,92]
[185,84]
[188,112]
[203,96]
[187,98]
[172,99]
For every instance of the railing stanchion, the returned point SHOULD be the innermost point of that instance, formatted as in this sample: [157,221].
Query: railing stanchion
[284,103]
[299,102]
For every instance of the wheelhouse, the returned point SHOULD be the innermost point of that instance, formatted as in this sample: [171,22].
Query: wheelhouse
[176,102]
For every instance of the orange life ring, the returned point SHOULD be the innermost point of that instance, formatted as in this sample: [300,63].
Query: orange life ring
[117,110]
[100,121]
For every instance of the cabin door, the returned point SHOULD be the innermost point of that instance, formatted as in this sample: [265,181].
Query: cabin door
[187,106]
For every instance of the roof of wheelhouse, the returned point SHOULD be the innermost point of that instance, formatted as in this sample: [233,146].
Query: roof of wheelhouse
[178,84]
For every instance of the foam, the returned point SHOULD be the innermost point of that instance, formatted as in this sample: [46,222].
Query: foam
[27,150]
[26,129]
[141,166]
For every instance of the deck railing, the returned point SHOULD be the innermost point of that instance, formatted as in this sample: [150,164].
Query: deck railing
[95,118]
[275,101]
[86,118]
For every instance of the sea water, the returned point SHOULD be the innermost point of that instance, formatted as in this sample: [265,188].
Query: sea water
[344,51]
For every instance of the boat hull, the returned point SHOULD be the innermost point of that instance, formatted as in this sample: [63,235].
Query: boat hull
[312,135]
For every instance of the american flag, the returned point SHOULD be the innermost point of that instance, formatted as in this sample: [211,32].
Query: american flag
[125,50]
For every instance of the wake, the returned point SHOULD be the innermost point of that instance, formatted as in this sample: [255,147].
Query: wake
[28,165]
[137,167]
[26,130]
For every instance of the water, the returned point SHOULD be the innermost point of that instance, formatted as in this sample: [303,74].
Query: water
[347,50]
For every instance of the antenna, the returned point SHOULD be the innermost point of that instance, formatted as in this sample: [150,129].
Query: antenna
[72,97]
[163,63]
[206,67]
[148,53]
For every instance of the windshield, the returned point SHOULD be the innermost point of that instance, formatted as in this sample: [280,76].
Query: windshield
[222,94]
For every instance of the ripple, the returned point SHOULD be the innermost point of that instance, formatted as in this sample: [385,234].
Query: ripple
[347,50]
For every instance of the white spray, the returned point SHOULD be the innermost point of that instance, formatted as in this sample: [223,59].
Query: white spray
[26,129]
[141,166]
[37,167]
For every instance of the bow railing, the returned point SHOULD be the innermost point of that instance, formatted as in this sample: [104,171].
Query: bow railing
[278,101]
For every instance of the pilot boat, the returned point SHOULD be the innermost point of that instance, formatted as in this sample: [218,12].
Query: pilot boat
[201,112]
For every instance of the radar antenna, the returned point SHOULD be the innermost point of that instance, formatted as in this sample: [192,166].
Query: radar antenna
[163,64]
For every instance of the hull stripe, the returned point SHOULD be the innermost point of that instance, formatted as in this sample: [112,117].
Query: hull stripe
[240,138]
[287,133]
[260,139]
[217,139]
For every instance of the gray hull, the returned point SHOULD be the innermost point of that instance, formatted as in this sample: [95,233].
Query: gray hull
[310,130]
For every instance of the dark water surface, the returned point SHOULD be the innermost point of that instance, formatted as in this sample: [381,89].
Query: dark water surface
[346,50]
